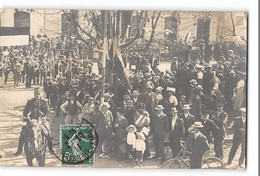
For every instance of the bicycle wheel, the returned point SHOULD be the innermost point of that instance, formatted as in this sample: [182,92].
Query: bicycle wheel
[173,163]
[213,163]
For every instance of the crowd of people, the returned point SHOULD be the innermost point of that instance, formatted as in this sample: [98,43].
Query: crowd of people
[197,96]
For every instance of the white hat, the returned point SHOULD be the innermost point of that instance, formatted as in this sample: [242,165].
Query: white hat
[159,89]
[243,110]
[105,104]
[171,89]
[186,106]
[141,135]
[197,125]
[131,126]
[159,107]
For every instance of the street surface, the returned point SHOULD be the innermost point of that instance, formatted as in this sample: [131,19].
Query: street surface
[12,103]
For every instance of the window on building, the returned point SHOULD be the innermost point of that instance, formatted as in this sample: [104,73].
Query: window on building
[203,29]
[171,27]
[239,20]
[21,19]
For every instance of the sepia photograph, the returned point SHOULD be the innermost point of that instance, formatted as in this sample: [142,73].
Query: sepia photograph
[123,88]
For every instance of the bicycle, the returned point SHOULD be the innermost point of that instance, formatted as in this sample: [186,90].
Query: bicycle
[178,161]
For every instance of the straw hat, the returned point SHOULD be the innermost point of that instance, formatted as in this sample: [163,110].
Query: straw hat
[193,81]
[197,125]
[135,92]
[105,105]
[131,126]
[159,107]
[186,106]
[199,87]
[141,135]
[243,110]
[171,89]
[159,89]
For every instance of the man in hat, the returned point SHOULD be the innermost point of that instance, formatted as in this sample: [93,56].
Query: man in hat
[239,137]
[160,128]
[158,96]
[89,109]
[207,77]
[35,108]
[190,90]
[174,64]
[181,80]
[130,111]
[70,108]
[197,145]
[149,99]
[62,100]
[176,132]
[211,128]
[103,124]
[188,120]
[108,98]
[136,97]
[170,100]
[220,118]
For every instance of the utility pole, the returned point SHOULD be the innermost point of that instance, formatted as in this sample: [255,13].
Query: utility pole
[104,58]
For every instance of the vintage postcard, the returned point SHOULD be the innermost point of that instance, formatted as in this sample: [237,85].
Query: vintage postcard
[123,88]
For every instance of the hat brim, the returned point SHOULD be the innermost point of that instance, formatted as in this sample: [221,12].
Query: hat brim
[159,108]
[186,108]
[127,129]
[194,126]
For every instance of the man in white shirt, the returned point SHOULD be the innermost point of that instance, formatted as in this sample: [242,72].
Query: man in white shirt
[70,108]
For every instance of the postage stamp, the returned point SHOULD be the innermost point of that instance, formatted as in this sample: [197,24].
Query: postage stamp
[77,144]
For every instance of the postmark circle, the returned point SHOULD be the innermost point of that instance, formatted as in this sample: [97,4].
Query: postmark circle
[77,143]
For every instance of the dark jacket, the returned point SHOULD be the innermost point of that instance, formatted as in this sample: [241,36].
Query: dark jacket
[220,120]
[161,124]
[197,147]
[187,123]
[36,108]
[178,130]
[239,128]
[211,128]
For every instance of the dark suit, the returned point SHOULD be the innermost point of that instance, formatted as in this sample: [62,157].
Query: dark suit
[211,127]
[197,147]
[220,120]
[181,81]
[238,138]
[149,101]
[187,124]
[160,127]
[207,86]
[176,135]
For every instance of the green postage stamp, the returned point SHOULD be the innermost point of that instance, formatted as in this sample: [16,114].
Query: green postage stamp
[78,144]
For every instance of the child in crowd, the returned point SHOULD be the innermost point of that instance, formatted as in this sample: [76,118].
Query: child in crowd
[139,148]
[131,138]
